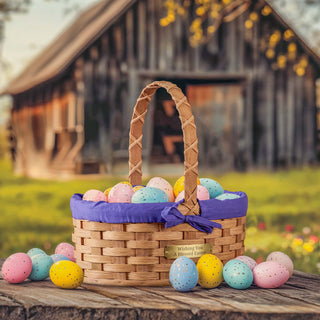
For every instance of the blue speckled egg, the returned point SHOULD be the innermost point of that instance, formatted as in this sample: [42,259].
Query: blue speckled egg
[149,195]
[227,196]
[34,251]
[237,274]
[183,274]
[41,264]
[213,187]
[58,257]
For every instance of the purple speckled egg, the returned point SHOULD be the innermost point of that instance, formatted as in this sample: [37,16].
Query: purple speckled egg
[120,193]
[251,263]
[16,268]
[66,249]
[94,195]
[283,259]
[58,257]
[202,194]
[163,185]
[270,274]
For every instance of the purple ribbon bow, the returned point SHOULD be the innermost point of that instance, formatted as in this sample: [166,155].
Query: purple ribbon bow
[173,217]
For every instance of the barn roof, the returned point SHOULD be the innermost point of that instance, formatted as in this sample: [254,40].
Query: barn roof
[89,25]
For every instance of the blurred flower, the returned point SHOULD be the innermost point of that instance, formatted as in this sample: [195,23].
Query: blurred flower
[318,265]
[47,246]
[297,242]
[308,247]
[306,230]
[289,236]
[313,239]
[289,227]
[253,249]
[259,260]
[251,231]
[261,226]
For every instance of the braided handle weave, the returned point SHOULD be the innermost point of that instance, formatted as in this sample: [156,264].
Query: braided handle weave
[190,205]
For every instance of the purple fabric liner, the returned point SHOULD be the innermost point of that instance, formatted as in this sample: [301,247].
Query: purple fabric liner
[102,211]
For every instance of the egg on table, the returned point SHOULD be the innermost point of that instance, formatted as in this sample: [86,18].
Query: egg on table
[149,195]
[66,249]
[41,265]
[16,268]
[237,274]
[283,259]
[162,184]
[210,269]
[214,188]
[251,263]
[66,274]
[202,194]
[121,193]
[183,274]
[270,274]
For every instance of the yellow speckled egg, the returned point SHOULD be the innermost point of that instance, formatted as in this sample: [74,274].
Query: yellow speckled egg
[126,182]
[179,185]
[106,192]
[136,188]
[66,274]
[210,270]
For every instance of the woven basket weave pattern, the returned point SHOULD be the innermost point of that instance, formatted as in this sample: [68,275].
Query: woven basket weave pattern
[133,254]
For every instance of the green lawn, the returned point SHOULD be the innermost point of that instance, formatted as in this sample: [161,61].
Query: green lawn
[35,213]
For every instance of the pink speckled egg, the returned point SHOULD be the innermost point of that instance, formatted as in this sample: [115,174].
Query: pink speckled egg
[94,195]
[16,268]
[270,274]
[66,249]
[283,259]
[163,185]
[121,192]
[202,194]
[251,263]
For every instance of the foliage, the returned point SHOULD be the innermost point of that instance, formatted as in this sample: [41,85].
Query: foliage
[283,206]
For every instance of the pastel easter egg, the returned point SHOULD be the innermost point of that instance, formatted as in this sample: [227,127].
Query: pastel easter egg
[126,182]
[251,263]
[41,265]
[214,188]
[66,249]
[66,274]
[210,269]
[162,184]
[94,195]
[58,257]
[120,193]
[136,188]
[183,274]
[149,195]
[270,274]
[34,251]
[16,268]
[283,259]
[237,274]
[227,196]
[179,185]
[202,194]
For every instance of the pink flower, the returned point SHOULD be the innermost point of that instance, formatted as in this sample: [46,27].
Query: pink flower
[289,227]
[259,260]
[261,226]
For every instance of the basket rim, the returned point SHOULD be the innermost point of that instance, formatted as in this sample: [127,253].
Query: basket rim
[102,211]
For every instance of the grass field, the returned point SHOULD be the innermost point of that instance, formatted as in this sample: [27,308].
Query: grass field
[283,214]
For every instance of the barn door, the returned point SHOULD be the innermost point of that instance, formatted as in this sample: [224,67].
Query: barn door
[219,115]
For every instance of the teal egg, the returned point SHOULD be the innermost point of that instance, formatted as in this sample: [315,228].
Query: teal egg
[237,274]
[227,196]
[213,187]
[149,195]
[34,251]
[41,265]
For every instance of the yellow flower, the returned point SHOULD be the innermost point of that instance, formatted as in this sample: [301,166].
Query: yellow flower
[308,247]
[200,11]
[254,16]
[266,10]
[297,242]
[248,24]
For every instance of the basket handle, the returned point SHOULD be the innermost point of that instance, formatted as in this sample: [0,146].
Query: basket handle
[190,205]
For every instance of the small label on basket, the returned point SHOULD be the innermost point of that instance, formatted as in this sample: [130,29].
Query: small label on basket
[188,250]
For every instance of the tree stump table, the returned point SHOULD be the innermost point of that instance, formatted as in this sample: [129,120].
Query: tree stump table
[299,298]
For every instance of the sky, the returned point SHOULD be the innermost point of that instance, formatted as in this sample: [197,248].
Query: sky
[28,33]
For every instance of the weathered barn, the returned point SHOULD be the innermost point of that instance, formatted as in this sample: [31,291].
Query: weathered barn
[252,87]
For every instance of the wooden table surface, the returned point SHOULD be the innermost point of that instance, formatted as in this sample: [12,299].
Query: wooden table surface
[299,299]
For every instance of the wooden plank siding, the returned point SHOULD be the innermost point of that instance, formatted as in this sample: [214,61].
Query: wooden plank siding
[276,108]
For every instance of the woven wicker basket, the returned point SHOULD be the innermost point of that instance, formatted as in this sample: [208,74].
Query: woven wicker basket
[136,254]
